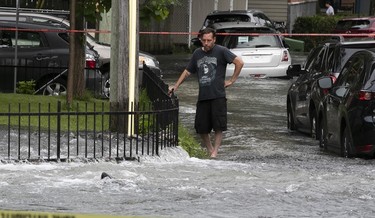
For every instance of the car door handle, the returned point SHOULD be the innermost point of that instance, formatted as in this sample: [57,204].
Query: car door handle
[40,57]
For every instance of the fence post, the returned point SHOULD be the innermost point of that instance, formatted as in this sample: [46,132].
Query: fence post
[157,142]
[58,129]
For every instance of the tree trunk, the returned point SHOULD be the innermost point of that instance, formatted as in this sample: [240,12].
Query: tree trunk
[80,58]
[76,83]
[69,91]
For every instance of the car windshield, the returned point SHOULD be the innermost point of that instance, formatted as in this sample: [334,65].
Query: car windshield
[352,24]
[240,39]
[227,18]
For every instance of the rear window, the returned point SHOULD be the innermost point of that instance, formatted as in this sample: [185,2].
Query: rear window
[226,18]
[352,24]
[247,41]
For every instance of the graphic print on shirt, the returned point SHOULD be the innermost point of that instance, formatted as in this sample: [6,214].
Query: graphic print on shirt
[206,70]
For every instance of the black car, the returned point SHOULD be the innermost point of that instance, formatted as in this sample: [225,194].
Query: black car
[103,49]
[304,98]
[349,107]
[43,56]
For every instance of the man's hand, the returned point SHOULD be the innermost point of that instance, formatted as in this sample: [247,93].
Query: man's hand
[228,83]
[171,89]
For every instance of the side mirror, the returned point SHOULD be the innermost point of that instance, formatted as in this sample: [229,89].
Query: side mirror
[325,82]
[196,42]
[294,70]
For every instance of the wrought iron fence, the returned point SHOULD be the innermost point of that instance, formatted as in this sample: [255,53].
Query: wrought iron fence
[91,131]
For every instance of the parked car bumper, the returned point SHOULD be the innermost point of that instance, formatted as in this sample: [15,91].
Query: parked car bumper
[261,72]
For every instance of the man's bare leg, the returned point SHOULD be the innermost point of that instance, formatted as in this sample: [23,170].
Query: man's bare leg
[207,142]
[217,144]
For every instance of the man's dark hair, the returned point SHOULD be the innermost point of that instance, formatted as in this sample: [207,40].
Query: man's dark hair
[207,30]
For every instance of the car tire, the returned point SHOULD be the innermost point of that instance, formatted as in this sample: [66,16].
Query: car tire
[55,88]
[322,136]
[106,85]
[314,127]
[346,143]
[291,125]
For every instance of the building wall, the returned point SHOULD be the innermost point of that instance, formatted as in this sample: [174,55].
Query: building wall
[299,9]
[276,10]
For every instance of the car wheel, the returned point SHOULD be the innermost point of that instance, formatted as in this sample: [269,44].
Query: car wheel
[321,136]
[346,143]
[314,128]
[106,85]
[55,88]
[291,125]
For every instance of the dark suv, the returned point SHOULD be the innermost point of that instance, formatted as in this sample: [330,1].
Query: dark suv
[254,16]
[349,107]
[304,98]
[43,56]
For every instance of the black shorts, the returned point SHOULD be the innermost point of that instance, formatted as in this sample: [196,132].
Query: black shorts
[211,115]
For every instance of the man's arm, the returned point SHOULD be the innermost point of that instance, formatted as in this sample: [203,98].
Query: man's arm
[238,64]
[185,74]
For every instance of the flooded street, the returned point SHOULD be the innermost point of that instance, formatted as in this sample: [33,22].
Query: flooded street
[262,170]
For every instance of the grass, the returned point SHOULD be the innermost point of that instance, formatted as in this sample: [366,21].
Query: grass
[20,103]
[190,144]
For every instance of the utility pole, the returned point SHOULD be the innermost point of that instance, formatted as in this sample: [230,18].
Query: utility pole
[124,61]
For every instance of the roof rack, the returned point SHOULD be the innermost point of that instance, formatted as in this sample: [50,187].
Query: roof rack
[33,10]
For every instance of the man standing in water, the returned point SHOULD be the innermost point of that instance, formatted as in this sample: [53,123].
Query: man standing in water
[209,63]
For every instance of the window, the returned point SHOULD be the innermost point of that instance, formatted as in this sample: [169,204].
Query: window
[311,56]
[226,18]
[25,39]
[352,24]
[5,39]
[352,71]
[315,59]
[263,20]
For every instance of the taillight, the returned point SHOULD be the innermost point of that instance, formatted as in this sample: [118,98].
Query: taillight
[366,96]
[285,56]
[90,63]
[333,78]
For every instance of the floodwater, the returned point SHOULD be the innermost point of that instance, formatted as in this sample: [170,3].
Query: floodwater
[262,170]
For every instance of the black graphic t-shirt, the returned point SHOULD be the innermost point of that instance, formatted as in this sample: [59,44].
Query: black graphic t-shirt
[210,68]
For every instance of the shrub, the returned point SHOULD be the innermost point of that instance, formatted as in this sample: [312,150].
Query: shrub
[314,24]
[25,87]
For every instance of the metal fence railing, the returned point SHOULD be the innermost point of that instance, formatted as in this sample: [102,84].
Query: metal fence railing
[92,130]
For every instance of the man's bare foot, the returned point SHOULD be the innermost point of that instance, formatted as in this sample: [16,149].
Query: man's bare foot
[214,154]
[210,150]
